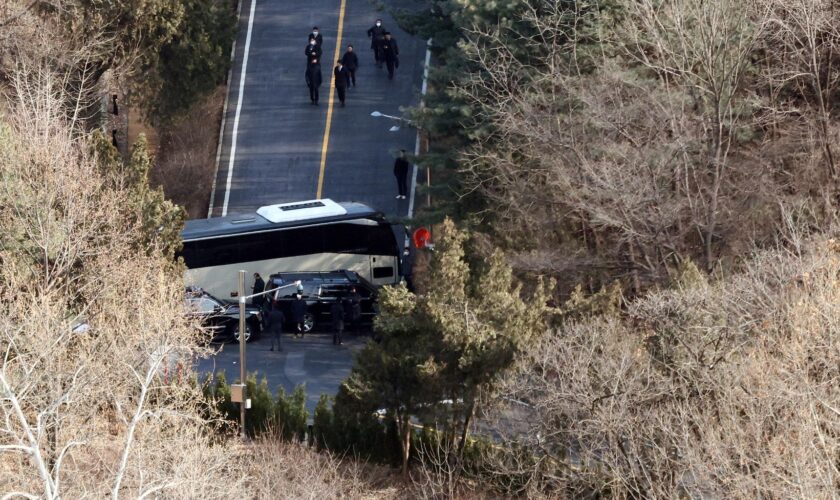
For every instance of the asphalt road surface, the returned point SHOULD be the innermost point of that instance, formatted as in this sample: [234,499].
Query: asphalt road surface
[279,136]
[312,360]
[279,148]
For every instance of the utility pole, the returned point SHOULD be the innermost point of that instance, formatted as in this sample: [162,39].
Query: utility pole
[242,372]
[238,393]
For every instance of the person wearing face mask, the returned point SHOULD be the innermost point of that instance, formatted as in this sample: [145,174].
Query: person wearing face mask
[312,50]
[377,34]
[317,36]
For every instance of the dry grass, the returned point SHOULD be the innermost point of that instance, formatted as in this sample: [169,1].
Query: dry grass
[186,161]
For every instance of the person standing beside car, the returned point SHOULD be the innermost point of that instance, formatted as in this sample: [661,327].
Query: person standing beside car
[337,316]
[259,287]
[299,314]
[355,302]
[274,324]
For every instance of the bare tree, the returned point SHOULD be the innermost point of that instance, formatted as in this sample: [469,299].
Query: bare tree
[709,389]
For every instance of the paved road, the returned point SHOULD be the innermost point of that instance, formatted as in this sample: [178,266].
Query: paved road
[280,135]
[279,141]
[312,360]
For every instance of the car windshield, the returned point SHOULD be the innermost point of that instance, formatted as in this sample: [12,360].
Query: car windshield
[202,302]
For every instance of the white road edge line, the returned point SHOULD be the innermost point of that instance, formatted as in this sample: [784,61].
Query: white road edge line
[239,106]
[417,142]
[224,115]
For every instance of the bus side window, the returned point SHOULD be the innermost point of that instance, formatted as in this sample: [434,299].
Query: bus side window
[383,272]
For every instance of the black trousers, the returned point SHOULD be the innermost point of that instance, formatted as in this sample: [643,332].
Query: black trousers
[391,65]
[313,93]
[338,330]
[275,337]
[342,93]
[402,182]
[352,76]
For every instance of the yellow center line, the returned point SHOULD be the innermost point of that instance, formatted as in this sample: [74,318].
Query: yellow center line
[326,142]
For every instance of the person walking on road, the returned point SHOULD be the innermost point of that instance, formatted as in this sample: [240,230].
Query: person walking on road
[351,62]
[342,80]
[401,173]
[299,314]
[312,50]
[390,53]
[376,33]
[337,316]
[313,79]
[315,35]
[275,325]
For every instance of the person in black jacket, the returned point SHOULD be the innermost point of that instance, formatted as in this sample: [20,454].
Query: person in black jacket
[275,324]
[259,287]
[353,309]
[401,173]
[315,35]
[312,50]
[376,33]
[313,79]
[351,62]
[390,54]
[299,314]
[337,316]
[342,80]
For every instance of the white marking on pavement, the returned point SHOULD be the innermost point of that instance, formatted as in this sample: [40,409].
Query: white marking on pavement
[417,142]
[238,107]
[224,116]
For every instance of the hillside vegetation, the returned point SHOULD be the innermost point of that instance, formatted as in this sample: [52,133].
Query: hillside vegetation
[633,293]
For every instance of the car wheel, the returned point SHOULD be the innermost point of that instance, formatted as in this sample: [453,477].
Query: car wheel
[308,322]
[248,330]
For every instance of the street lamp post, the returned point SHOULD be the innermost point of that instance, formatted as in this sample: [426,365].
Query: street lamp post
[238,393]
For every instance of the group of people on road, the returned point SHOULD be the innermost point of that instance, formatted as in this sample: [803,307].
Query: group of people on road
[385,51]
[344,310]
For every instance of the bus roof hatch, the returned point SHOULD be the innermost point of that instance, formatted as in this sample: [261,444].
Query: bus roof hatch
[301,210]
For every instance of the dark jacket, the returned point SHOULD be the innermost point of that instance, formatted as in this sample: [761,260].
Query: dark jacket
[353,307]
[401,166]
[350,60]
[390,50]
[337,315]
[274,321]
[376,35]
[318,39]
[259,285]
[342,77]
[298,310]
[313,75]
[312,51]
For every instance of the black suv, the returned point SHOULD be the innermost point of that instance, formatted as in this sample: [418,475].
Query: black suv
[320,290]
[220,318]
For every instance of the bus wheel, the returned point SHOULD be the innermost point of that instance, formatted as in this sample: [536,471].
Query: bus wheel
[247,332]
[308,322]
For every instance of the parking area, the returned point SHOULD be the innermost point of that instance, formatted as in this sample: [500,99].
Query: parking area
[312,360]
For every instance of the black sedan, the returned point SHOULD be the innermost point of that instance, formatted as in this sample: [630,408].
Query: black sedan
[320,290]
[221,319]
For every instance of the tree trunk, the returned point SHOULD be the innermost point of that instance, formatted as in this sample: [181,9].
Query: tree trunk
[404,428]
[465,431]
